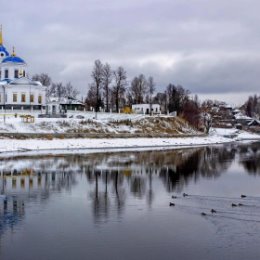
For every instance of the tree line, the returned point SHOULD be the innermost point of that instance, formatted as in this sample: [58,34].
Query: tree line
[252,106]
[110,90]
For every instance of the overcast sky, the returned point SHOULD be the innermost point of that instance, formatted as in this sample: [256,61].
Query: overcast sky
[211,47]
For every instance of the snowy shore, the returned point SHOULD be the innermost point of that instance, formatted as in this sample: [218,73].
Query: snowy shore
[13,147]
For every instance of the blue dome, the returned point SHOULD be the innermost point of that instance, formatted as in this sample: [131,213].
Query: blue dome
[3,49]
[13,59]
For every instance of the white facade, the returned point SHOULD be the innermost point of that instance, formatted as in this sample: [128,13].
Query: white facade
[22,93]
[145,108]
[17,91]
[10,70]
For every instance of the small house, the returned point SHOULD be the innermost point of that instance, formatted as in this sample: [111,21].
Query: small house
[146,109]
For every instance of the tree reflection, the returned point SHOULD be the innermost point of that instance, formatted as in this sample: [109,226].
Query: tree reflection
[208,162]
[150,194]
[138,186]
[113,177]
[249,158]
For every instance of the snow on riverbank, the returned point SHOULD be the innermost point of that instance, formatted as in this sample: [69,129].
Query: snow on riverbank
[106,123]
[238,135]
[12,145]
[32,146]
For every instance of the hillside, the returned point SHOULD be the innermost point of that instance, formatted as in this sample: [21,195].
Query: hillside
[109,125]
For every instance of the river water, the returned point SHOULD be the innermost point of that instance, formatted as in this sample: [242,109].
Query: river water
[116,205]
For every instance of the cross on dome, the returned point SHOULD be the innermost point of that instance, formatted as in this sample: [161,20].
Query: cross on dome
[13,54]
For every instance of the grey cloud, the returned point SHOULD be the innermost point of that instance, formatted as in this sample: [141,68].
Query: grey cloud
[206,46]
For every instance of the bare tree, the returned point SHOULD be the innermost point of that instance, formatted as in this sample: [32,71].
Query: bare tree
[91,97]
[138,89]
[58,89]
[70,91]
[45,80]
[176,97]
[97,76]
[129,98]
[161,99]
[191,111]
[151,89]
[107,79]
[120,85]
[207,119]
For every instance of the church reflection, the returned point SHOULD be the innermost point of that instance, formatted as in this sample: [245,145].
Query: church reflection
[111,178]
[21,186]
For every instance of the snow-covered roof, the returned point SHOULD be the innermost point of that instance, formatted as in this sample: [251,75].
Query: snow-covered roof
[25,81]
[242,117]
[254,121]
[3,82]
[236,110]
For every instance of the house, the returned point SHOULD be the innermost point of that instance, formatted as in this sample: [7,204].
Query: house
[254,123]
[242,119]
[145,108]
[70,103]
[58,107]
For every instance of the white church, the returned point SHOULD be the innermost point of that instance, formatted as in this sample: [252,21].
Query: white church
[17,91]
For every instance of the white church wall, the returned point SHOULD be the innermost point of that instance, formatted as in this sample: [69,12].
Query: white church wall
[27,90]
[11,70]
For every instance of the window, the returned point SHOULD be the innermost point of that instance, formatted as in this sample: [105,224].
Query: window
[14,97]
[24,73]
[23,97]
[40,99]
[0,98]
[16,74]
[6,74]
[31,98]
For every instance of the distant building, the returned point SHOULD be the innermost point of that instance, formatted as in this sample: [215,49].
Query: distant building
[17,91]
[242,119]
[60,106]
[145,108]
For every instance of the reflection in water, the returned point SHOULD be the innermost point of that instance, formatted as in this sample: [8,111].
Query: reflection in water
[113,177]
[24,184]
[250,158]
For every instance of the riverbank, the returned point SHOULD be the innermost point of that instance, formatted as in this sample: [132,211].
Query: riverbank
[14,147]
[82,133]
[86,125]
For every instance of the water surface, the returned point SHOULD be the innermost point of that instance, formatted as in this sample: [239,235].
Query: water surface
[116,206]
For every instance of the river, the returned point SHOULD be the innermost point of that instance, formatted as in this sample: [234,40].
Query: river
[116,205]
